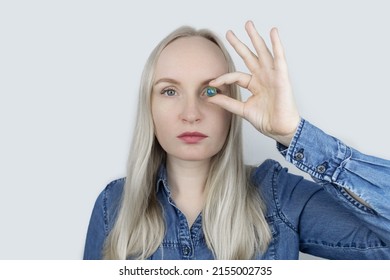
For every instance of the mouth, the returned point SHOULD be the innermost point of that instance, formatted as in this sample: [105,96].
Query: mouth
[192,137]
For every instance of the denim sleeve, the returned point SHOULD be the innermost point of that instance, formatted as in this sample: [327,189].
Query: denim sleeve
[337,168]
[102,219]
[96,233]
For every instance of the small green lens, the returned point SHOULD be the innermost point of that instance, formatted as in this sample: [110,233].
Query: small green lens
[211,91]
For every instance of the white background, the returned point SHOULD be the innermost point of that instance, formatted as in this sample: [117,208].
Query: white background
[69,74]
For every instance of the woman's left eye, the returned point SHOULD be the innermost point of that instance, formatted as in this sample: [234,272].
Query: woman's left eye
[169,92]
[211,91]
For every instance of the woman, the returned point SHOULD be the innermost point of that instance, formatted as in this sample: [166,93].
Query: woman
[188,194]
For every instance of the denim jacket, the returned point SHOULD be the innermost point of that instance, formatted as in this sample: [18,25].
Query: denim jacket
[319,218]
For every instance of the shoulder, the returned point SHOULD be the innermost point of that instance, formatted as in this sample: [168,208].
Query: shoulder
[109,200]
[266,169]
[114,189]
[102,218]
[271,173]
[282,191]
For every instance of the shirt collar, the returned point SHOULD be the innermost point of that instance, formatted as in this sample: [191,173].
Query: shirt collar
[162,179]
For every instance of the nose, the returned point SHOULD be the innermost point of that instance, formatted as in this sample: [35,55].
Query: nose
[191,110]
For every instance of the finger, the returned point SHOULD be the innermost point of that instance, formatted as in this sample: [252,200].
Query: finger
[278,50]
[250,59]
[241,79]
[264,54]
[230,104]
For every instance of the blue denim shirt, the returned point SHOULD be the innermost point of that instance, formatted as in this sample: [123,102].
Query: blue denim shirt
[318,218]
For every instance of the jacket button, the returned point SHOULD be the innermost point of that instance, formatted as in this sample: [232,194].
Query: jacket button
[186,251]
[299,155]
[321,169]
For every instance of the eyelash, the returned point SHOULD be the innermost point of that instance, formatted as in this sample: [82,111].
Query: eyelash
[164,91]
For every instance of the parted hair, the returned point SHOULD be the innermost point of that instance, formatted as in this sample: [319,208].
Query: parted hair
[233,221]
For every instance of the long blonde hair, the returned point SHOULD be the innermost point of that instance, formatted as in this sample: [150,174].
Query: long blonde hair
[234,223]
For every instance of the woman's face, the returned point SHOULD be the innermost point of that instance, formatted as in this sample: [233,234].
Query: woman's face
[187,126]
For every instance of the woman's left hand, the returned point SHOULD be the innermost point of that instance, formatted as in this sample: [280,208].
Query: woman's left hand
[271,108]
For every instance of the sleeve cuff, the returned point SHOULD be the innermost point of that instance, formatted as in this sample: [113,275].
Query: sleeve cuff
[315,152]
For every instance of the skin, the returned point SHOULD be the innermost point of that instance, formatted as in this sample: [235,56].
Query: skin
[179,104]
[271,109]
[191,64]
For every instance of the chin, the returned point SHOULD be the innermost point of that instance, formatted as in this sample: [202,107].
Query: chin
[194,158]
[193,153]
[199,156]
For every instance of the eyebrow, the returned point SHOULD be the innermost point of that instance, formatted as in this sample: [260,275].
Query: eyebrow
[175,82]
[167,80]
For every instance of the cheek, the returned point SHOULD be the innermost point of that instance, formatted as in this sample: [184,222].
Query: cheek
[222,119]
[158,122]
[162,119]
[220,123]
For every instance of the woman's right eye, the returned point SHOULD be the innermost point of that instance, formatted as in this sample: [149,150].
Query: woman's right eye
[169,92]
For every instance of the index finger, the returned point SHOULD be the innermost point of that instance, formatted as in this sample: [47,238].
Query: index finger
[250,59]
[264,54]
[278,50]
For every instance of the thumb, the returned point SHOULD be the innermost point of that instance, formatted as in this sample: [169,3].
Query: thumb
[230,104]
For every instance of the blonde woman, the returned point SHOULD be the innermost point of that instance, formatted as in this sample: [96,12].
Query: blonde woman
[188,194]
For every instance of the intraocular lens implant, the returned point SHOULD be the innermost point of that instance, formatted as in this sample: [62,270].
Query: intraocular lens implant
[211,91]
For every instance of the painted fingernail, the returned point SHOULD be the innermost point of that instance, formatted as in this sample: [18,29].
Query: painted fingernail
[211,91]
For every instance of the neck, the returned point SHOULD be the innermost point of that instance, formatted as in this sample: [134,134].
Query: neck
[187,177]
[187,180]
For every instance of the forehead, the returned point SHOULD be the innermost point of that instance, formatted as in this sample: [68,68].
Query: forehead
[191,56]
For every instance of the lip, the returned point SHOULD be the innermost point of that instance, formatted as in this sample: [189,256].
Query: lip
[192,137]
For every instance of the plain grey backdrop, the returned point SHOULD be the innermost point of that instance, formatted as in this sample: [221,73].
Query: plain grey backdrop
[69,74]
